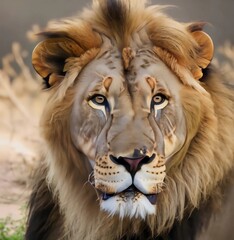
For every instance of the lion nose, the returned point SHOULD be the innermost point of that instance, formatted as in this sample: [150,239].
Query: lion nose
[132,164]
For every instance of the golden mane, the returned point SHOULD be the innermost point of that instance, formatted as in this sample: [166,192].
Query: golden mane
[137,26]
[198,170]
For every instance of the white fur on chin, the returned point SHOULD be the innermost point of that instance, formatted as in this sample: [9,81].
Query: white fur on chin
[128,207]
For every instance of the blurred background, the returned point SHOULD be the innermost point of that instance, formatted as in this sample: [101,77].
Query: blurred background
[18,16]
[21,98]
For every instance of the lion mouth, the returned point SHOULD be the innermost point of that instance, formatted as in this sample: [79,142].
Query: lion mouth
[131,192]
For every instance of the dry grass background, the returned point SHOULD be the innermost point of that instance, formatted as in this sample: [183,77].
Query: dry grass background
[21,103]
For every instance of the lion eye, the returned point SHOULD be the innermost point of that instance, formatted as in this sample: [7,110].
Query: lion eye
[99,102]
[159,101]
[98,99]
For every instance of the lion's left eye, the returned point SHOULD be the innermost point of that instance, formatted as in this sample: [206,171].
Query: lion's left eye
[99,102]
[159,101]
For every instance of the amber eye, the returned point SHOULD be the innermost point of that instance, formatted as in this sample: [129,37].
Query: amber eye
[98,99]
[158,99]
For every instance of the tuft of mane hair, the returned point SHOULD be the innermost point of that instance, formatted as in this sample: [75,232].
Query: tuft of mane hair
[63,205]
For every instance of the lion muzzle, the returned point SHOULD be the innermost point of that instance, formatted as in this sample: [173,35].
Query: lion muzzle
[129,186]
[132,164]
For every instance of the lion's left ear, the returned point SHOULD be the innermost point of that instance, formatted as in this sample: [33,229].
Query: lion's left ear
[205,50]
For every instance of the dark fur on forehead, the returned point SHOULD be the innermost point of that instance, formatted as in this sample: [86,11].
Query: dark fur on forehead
[115,13]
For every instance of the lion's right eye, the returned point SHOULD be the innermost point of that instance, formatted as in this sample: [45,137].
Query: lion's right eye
[99,102]
[98,99]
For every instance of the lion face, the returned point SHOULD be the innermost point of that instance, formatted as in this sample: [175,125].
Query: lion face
[128,123]
[131,101]
[130,112]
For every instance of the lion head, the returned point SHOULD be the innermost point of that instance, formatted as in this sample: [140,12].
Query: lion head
[132,127]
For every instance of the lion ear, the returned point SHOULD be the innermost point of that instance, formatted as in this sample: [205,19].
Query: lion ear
[206,48]
[49,56]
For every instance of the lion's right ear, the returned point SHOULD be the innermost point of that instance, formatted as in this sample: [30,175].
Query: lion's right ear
[49,56]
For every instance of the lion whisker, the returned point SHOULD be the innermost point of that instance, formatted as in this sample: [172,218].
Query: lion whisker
[92,183]
[91,178]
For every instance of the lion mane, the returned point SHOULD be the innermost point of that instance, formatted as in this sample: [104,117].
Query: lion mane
[138,127]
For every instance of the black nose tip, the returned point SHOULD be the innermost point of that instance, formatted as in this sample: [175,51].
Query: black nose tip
[132,164]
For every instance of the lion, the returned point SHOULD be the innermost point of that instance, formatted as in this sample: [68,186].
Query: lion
[138,127]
